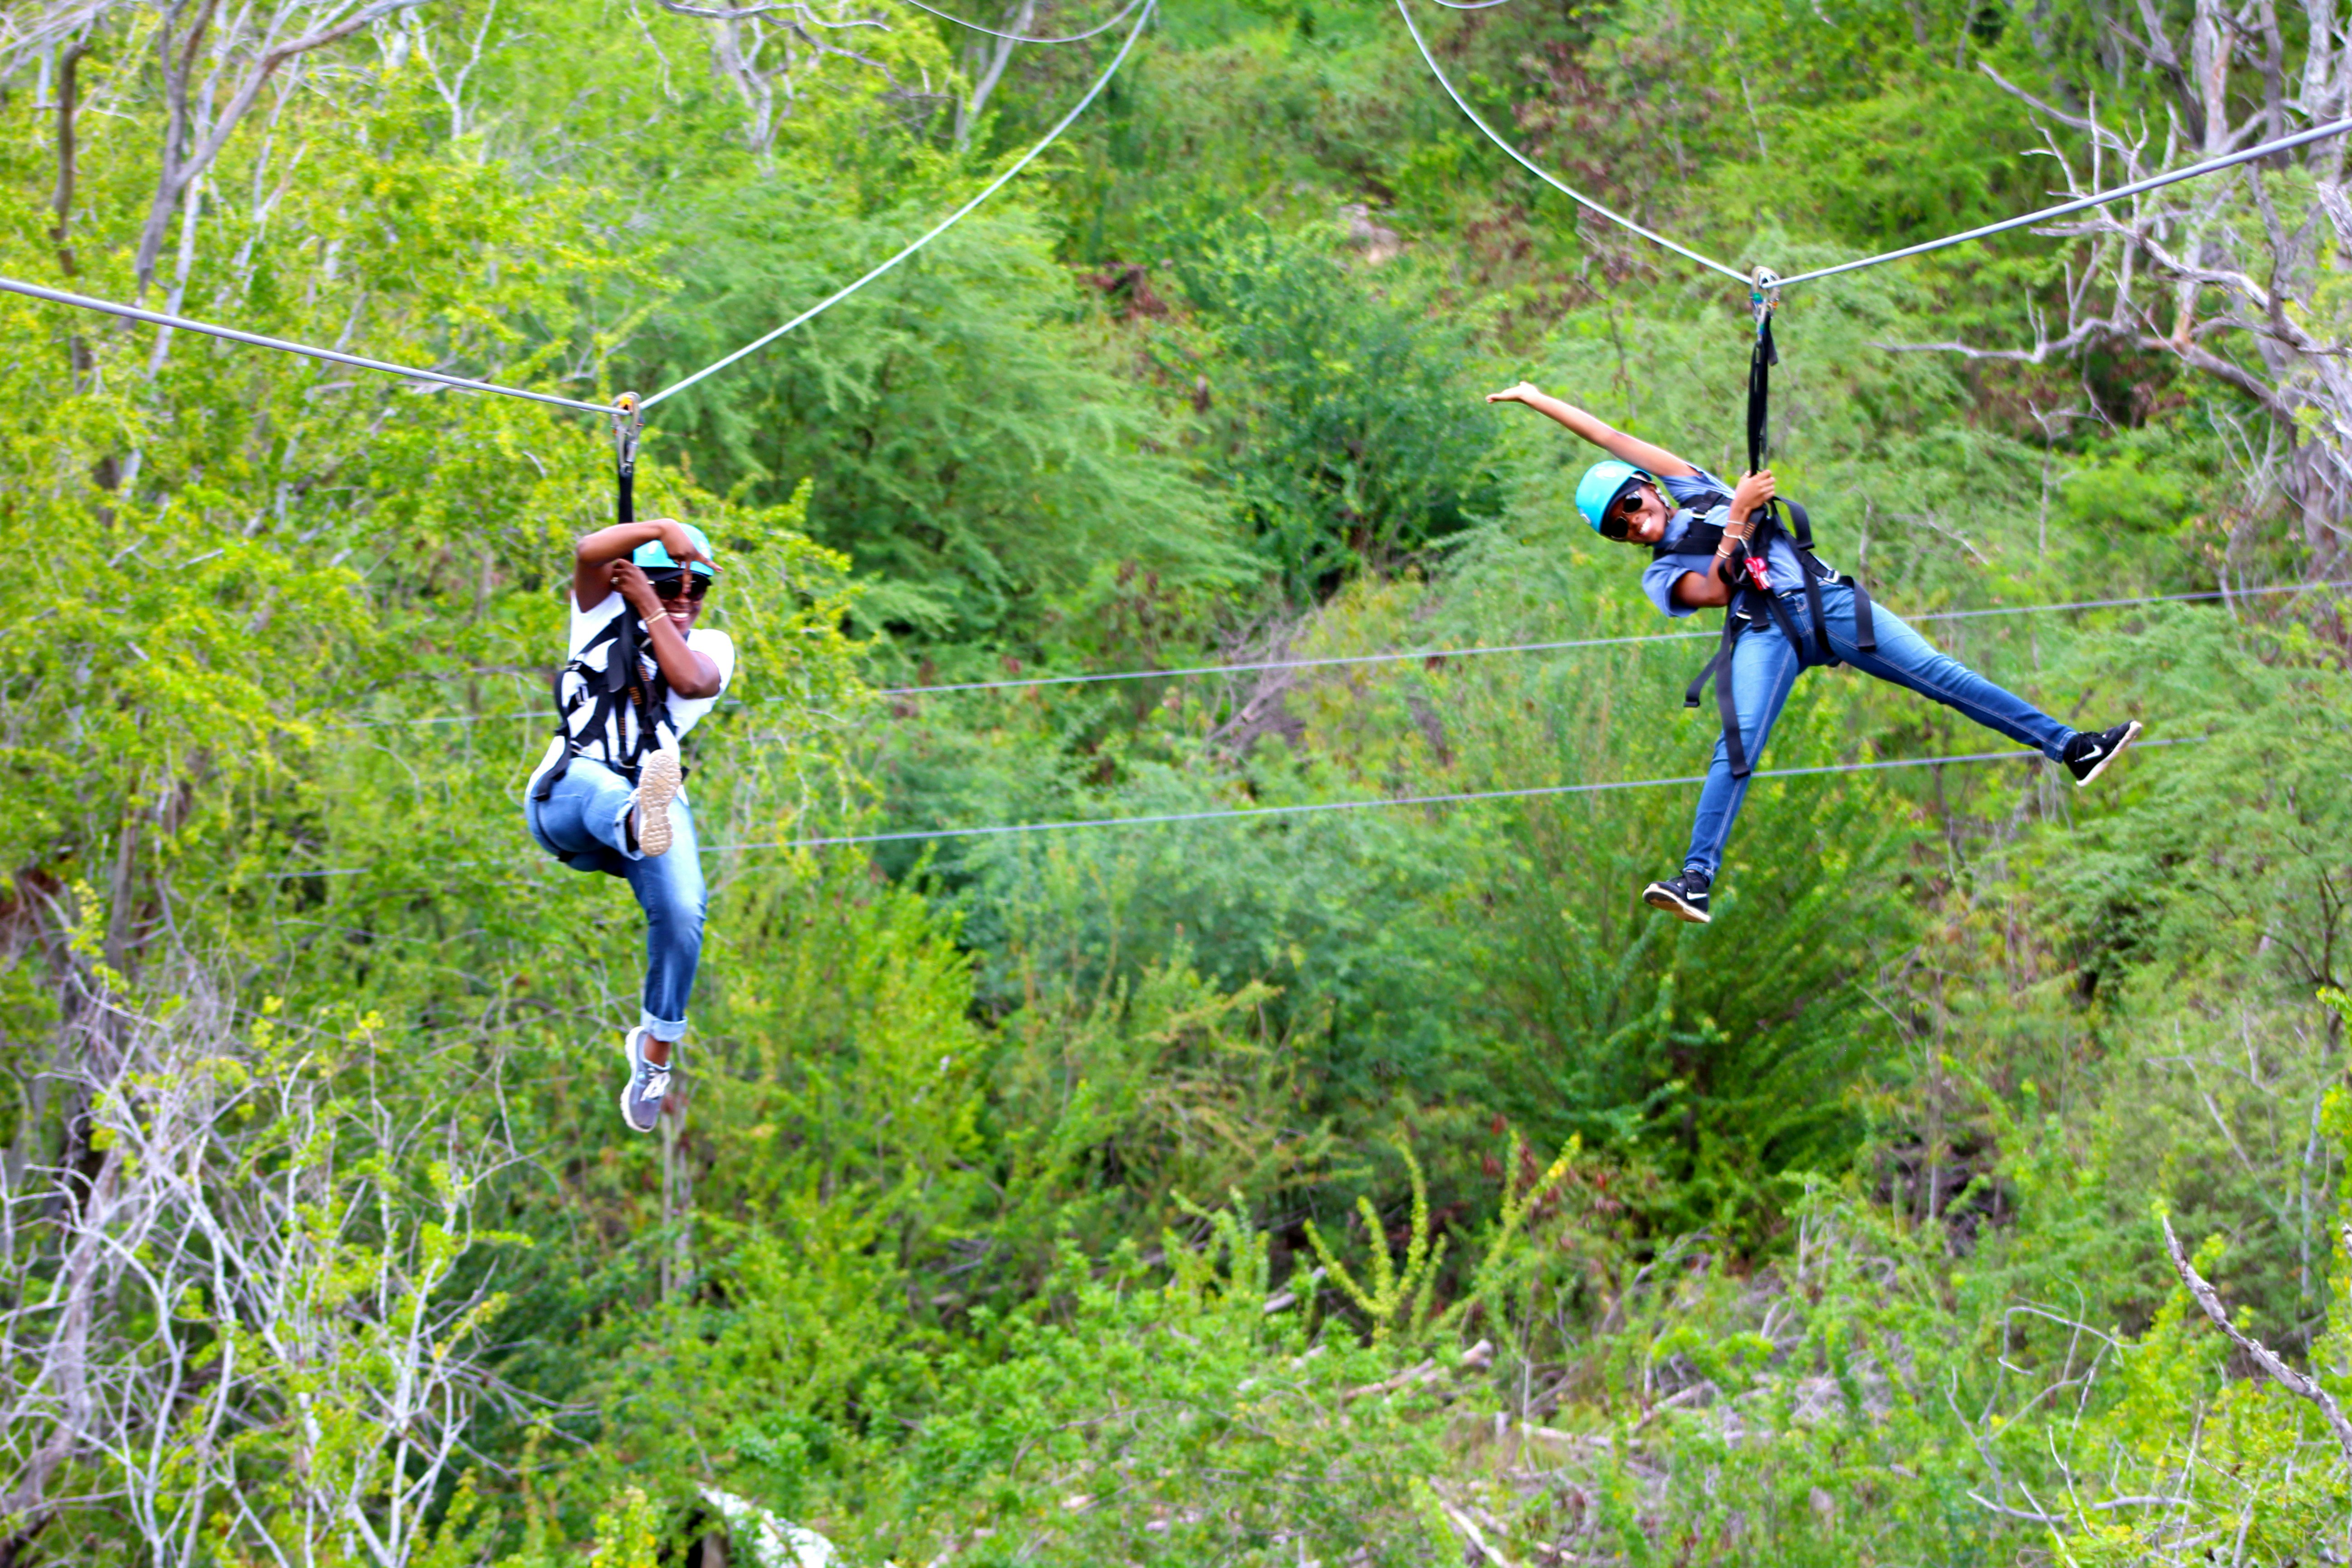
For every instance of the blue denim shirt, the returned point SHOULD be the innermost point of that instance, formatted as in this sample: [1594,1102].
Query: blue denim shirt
[1702,497]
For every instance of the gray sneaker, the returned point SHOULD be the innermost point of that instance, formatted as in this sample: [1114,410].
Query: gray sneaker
[648,1085]
[658,779]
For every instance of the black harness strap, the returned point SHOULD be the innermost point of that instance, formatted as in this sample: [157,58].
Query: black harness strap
[1761,358]
[622,685]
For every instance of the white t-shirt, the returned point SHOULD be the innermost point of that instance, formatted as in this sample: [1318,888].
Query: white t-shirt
[621,733]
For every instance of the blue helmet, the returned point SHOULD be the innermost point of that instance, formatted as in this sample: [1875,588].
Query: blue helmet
[1602,485]
[654,558]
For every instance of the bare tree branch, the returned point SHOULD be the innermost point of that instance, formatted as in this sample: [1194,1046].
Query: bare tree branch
[2210,1301]
[796,10]
[770,51]
[2237,280]
[244,61]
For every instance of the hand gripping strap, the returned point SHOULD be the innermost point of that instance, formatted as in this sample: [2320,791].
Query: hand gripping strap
[1760,361]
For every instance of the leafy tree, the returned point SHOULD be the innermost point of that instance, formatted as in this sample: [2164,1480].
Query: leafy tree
[1351,441]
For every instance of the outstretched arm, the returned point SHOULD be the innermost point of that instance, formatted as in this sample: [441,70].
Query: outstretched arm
[1615,442]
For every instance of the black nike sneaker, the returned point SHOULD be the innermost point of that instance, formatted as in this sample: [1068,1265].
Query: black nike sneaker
[1685,897]
[2088,754]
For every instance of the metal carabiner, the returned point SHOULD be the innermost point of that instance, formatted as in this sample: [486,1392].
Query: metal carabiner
[1763,295]
[628,420]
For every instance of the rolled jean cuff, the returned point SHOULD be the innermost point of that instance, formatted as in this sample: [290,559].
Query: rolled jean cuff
[662,1029]
[624,842]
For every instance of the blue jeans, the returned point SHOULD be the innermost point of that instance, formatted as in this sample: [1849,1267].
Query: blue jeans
[584,822]
[1764,668]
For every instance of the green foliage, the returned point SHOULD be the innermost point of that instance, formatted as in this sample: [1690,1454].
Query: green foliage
[1351,440]
[624,1537]
[970,447]
[1393,1297]
[309,1171]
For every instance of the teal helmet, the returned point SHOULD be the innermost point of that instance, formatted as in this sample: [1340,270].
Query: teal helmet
[1602,485]
[654,558]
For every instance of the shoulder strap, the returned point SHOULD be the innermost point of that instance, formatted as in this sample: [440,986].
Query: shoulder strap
[1701,537]
[621,684]
[1698,538]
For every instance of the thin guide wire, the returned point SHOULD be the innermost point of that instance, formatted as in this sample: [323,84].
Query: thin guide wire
[1233,813]
[1458,798]
[335,356]
[937,229]
[1579,197]
[1099,28]
[1410,655]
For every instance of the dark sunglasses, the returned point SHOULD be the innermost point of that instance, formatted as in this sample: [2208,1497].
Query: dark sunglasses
[670,584]
[1617,520]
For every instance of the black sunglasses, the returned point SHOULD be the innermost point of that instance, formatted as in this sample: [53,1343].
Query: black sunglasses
[669,584]
[1615,522]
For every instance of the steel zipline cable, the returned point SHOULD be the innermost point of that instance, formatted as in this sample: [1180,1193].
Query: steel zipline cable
[1406,655]
[1146,8]
[335,356]
[1579,197]
[1459,797]
[1095,31]
[469,383]
[936,230]
[1985,231]
[2083,203]
[1307,808]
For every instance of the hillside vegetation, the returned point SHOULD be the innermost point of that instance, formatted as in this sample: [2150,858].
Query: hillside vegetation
[1380,1185]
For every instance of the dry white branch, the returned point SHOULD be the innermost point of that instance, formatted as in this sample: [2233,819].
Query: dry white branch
[985,59]
[2262,1356]
[1477,1358]
[1472,1533]
[772,52]
[229,1248]
[211,76]
[2237,277]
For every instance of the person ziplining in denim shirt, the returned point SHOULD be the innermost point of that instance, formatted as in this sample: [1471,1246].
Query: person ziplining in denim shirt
[1646,495]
